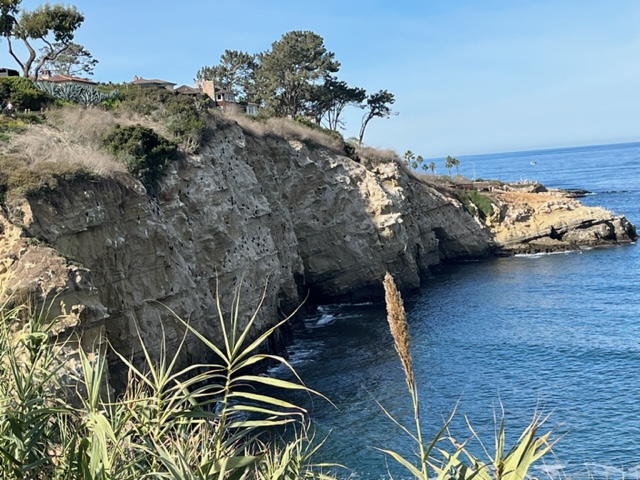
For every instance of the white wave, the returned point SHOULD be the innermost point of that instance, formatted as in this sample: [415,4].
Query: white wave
[325,319]
[544,254]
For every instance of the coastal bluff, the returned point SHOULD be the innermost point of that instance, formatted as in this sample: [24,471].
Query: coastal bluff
[264,217]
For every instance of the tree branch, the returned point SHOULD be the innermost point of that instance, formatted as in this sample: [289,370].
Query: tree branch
[15,57]
[51,56]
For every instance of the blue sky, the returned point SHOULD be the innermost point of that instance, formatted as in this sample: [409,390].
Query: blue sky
[469,76]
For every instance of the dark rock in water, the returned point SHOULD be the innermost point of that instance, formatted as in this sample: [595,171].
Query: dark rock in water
[576,192]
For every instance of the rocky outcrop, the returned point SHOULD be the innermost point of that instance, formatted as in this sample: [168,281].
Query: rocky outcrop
[548,221]
[260,216]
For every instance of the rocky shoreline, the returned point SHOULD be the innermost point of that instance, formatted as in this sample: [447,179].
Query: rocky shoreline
[252,210]
[551,220]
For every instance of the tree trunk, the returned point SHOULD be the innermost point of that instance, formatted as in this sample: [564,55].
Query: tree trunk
[15,57]
[365,121]
[29,61]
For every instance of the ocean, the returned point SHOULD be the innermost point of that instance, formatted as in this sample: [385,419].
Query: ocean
[554,334]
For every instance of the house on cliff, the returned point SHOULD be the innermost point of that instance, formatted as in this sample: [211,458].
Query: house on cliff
[152,83]
[224,99]
[65,80]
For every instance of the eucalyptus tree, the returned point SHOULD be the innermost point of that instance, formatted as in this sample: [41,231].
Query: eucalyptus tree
[288,75]
[53,25]
[378,105]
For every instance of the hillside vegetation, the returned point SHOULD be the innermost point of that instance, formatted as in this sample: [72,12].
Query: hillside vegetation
[140,133]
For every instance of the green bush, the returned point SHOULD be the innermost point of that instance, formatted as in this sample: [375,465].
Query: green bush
[180,114]
[482,204]
[9,125]
[22,93]
[145,153]
[183,121]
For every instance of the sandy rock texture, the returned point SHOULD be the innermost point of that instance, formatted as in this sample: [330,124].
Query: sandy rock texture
[263,216]
[548,221]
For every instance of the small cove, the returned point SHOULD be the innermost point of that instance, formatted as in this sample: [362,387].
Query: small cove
[558,333]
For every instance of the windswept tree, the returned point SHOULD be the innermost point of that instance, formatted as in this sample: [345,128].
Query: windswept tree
[54,25]
[288,74]
[378,105]
[72,61]
[432,167]
[331,98]
[235,73]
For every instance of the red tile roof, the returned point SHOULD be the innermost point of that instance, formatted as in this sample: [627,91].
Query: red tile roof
[66,78]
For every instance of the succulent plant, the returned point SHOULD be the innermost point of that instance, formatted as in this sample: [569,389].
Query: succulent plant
[72,92]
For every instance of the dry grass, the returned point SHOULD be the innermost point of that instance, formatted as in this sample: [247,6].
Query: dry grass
[83,125]
[371,157]
[39,144]
[288,129]
[89,125]
[72,136]
[376,155]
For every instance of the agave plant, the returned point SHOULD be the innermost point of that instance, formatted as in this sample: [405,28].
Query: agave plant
[86,95]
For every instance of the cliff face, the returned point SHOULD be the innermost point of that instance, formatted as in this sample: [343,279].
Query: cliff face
[265,213]
[262,214]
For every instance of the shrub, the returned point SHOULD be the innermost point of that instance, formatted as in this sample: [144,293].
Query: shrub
[179,114]
[10,125]
[475,202]
[183,121]
[22,93]
[142,150]
[30,118]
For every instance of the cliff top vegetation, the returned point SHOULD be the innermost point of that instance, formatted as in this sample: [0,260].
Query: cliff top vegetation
[141,130]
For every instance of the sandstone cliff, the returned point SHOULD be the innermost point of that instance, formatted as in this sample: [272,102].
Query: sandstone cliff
[255,212]
[544,220]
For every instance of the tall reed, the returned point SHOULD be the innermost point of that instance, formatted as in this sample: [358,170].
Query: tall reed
[454,460]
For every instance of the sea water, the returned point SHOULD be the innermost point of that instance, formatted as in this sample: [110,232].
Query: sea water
[555,334]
